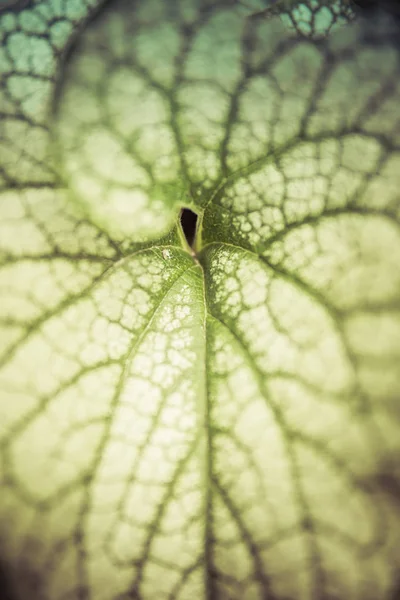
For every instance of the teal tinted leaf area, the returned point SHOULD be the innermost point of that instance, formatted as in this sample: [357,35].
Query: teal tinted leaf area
[217,420]
[314,18]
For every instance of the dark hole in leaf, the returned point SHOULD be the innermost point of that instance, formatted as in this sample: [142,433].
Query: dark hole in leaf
[188,222]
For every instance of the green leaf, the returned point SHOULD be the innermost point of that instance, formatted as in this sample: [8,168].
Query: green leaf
[315,18]
[222,421]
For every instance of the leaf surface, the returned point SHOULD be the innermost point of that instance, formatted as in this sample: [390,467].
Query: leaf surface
[221,422]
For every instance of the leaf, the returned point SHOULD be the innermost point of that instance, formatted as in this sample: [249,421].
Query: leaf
[313,19]
[219,422]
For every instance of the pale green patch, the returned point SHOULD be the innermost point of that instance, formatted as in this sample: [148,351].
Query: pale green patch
[216,422]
